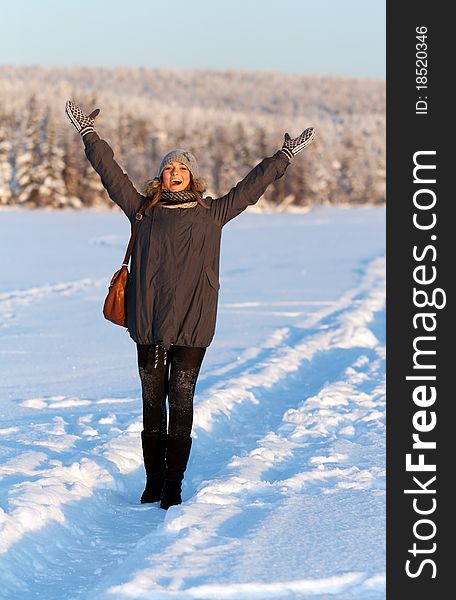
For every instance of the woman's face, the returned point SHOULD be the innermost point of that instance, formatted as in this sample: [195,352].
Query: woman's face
[176,177]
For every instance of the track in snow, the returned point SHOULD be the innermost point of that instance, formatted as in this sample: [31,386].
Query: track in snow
[284,494]
[270,428]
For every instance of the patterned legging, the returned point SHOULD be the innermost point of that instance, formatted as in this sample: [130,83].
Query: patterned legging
[173,374]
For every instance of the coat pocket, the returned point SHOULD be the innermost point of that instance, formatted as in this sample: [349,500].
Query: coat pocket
[212,278]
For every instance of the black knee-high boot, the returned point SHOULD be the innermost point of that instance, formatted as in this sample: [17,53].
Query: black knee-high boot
[177,455]
[154,453]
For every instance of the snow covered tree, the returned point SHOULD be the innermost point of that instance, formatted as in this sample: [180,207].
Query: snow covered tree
[6,171]
[229,119]
[73,164]
[52,190]
[27,178]
[91,191]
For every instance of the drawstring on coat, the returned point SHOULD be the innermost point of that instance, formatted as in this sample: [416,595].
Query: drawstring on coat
[165,353]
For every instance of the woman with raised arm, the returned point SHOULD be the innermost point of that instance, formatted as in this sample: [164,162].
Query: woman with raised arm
[173,286]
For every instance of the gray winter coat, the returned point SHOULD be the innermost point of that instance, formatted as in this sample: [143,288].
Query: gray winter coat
[174,272]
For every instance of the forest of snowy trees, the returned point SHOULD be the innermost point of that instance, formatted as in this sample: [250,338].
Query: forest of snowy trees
[228,119]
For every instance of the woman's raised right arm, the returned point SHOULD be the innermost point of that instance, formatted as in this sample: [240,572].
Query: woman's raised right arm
[100,155]
[114,180]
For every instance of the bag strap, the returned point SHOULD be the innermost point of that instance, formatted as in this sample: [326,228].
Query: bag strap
[139,215]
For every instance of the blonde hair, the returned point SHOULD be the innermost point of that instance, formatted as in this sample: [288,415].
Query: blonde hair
[154,187]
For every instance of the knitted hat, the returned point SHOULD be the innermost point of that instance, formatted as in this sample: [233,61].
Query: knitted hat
[182,156]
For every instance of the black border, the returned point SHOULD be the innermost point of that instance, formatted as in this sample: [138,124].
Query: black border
[407,133]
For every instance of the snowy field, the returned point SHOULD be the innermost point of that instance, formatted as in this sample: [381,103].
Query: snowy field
[284,496]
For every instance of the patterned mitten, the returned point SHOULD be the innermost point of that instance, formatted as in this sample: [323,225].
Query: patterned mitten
[82,122]
[292,146]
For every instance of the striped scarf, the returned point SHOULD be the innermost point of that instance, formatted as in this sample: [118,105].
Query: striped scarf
[184,199]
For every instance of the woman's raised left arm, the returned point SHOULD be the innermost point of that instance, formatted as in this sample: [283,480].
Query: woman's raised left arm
[252,187]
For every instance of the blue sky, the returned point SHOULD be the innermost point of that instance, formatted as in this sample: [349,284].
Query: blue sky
[337,37]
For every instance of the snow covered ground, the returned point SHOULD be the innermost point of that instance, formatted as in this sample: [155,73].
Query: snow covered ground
[284,496]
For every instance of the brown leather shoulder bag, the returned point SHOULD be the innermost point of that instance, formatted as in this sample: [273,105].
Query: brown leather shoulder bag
[115,308]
